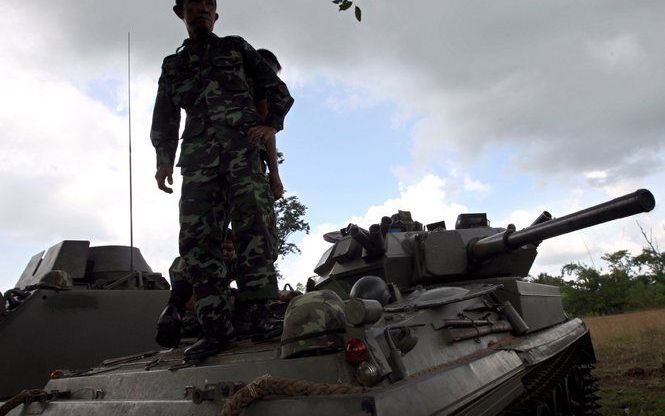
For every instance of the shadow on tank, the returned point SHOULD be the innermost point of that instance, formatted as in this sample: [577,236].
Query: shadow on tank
[73,306]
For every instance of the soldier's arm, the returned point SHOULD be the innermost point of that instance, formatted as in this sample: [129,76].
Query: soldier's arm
[273,166]
[268,85]
[262,108]
[164,131]
[271,154]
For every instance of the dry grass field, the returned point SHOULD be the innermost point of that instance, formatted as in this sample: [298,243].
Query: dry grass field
[630,349]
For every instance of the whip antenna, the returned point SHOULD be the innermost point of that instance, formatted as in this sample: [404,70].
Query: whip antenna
[129,111]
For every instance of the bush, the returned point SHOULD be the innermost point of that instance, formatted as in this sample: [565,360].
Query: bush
[628,283]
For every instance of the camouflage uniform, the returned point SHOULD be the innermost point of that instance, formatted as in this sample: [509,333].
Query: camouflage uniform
[181,292]
[222,174]
[274,237]
[181,282]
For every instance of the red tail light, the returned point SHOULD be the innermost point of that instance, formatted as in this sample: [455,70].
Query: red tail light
[56,374]
[356,351]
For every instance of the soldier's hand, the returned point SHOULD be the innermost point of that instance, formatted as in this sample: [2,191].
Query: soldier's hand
[261,134]
[276,186]
[164,173]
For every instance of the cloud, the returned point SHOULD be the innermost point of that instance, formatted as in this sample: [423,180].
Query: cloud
[574,89]
[473,185]
[570,87]
[63,154]
[622,52]
[428,199]
[57,156]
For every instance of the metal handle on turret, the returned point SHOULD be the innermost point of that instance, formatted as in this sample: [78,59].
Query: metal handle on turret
[372,240]
[634,203]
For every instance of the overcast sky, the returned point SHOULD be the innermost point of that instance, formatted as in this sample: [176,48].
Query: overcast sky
[438,107]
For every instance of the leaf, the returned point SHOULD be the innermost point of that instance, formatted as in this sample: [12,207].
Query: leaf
[359,14]
[345,5]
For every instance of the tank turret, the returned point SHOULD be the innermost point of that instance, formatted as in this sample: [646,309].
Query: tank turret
[73,306]
[404,254]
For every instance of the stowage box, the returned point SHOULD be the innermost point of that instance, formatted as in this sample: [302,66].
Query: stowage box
[539,305]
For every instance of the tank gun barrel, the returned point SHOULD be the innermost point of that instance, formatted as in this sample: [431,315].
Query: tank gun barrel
[634,203]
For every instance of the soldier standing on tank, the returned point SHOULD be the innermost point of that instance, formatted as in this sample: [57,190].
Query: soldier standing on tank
[221,167]
[174,319]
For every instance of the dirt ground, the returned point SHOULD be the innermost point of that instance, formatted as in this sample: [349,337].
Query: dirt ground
[630,349]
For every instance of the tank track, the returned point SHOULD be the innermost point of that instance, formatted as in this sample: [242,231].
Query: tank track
[562,385]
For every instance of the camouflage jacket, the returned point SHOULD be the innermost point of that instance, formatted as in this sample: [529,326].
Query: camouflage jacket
[212,84]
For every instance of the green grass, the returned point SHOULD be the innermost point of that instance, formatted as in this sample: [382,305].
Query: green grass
[628,401]
[630,349]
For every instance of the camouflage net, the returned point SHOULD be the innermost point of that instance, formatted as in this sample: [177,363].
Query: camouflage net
[267,385]
[25,397]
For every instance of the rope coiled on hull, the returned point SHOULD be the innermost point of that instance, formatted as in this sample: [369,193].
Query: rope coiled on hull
[267,385]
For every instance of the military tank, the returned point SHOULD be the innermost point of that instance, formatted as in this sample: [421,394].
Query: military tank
[401,319]
[72,307]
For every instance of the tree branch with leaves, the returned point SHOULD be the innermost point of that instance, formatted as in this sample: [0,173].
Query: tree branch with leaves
[290,219]
[346,5]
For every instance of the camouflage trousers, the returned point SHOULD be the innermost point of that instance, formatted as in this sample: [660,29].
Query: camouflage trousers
[236,191]
[182,284]
[181,293]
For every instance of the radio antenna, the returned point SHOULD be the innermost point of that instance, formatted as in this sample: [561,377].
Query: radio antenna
[129,111]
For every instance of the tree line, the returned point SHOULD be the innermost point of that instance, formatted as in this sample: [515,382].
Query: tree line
[627,282]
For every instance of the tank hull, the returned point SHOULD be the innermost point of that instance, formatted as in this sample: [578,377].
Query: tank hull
[74,329]
[489,381]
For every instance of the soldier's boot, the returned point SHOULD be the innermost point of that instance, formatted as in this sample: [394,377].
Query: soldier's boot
[191,328]
[265,324]
[242,320]
[169,326]
[213,310]
[216,337]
